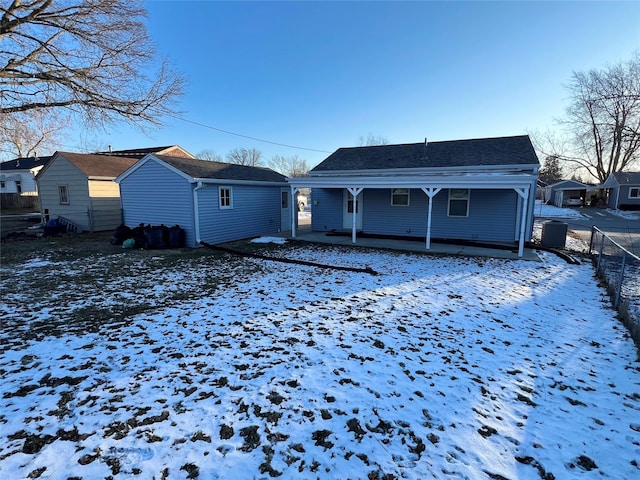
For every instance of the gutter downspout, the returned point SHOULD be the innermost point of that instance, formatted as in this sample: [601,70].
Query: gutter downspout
[524,195]
[196,212]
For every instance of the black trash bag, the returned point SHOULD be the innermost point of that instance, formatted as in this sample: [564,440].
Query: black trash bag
[139,236]
[155,237]
[177,237]
[121,234]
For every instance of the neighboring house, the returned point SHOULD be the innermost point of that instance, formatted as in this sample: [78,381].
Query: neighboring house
[481,190]
[18,182]
[139,153]
[566,193]
[79,190]
[541,190]
[623,190]
[212,201]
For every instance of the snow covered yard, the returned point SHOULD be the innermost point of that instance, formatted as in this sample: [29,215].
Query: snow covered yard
[120,366]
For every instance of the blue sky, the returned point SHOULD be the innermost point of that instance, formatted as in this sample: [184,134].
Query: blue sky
[319,75]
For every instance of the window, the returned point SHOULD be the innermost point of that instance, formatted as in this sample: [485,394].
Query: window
[63,194]
[285,200]
[400,197]
[2,184]
[225,195]
[458,202]
[18,186]
[634,192]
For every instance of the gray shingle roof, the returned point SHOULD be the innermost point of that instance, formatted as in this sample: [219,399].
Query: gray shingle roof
[627,178]
[138,152]
[568,184]
[516,150]
[196,168]
[24,163]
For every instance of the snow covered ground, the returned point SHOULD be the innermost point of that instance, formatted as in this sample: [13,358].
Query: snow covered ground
[551,211]
[629,215]
[438,367]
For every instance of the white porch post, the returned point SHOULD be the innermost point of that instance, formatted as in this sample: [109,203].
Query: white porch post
[431,192]
[354,191]
[294,211]
[524,193]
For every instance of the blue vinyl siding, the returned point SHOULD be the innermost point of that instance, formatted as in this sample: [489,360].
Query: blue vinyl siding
[155,195]
[493,214]
[326,209]
[492,217]
[255,212]
[624,196]
[380,217]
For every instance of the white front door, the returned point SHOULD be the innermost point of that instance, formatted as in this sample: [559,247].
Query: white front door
[347,209]
[285,209]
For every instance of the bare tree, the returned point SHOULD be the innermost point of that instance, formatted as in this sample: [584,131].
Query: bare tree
[32,133]
[245,156]
[289,166]
[93,58]
[602,122]
[372,140]
[209,154]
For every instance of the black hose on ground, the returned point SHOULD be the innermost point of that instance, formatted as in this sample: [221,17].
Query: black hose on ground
[231,251]
[563,255]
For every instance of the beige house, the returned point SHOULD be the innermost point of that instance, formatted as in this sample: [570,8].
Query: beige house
[78,189]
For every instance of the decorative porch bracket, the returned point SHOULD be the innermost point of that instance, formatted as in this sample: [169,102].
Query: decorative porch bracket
[354,191]
[294,211]
[524,194]
[430,192]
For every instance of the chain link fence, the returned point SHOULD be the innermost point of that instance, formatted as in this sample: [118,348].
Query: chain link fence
[620,269]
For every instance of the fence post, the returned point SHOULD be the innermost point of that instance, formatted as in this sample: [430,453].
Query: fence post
[593,232]
[619,289]
[600,254]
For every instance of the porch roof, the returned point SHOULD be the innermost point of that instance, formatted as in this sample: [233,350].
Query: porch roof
[468,180]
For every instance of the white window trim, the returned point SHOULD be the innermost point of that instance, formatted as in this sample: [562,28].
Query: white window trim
[225,207]
[468,199]
[66,188]
[636,197]
[401,204]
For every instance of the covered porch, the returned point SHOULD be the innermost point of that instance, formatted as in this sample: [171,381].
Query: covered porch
[431,185]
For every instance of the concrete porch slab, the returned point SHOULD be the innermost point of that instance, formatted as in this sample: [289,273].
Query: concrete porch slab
[305,234]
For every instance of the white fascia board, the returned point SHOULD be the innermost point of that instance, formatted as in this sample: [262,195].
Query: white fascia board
[222,181]
[46,166]
[440,181]
[533,168]
[111,179]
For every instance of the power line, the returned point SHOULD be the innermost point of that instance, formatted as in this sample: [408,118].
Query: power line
[246,136]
